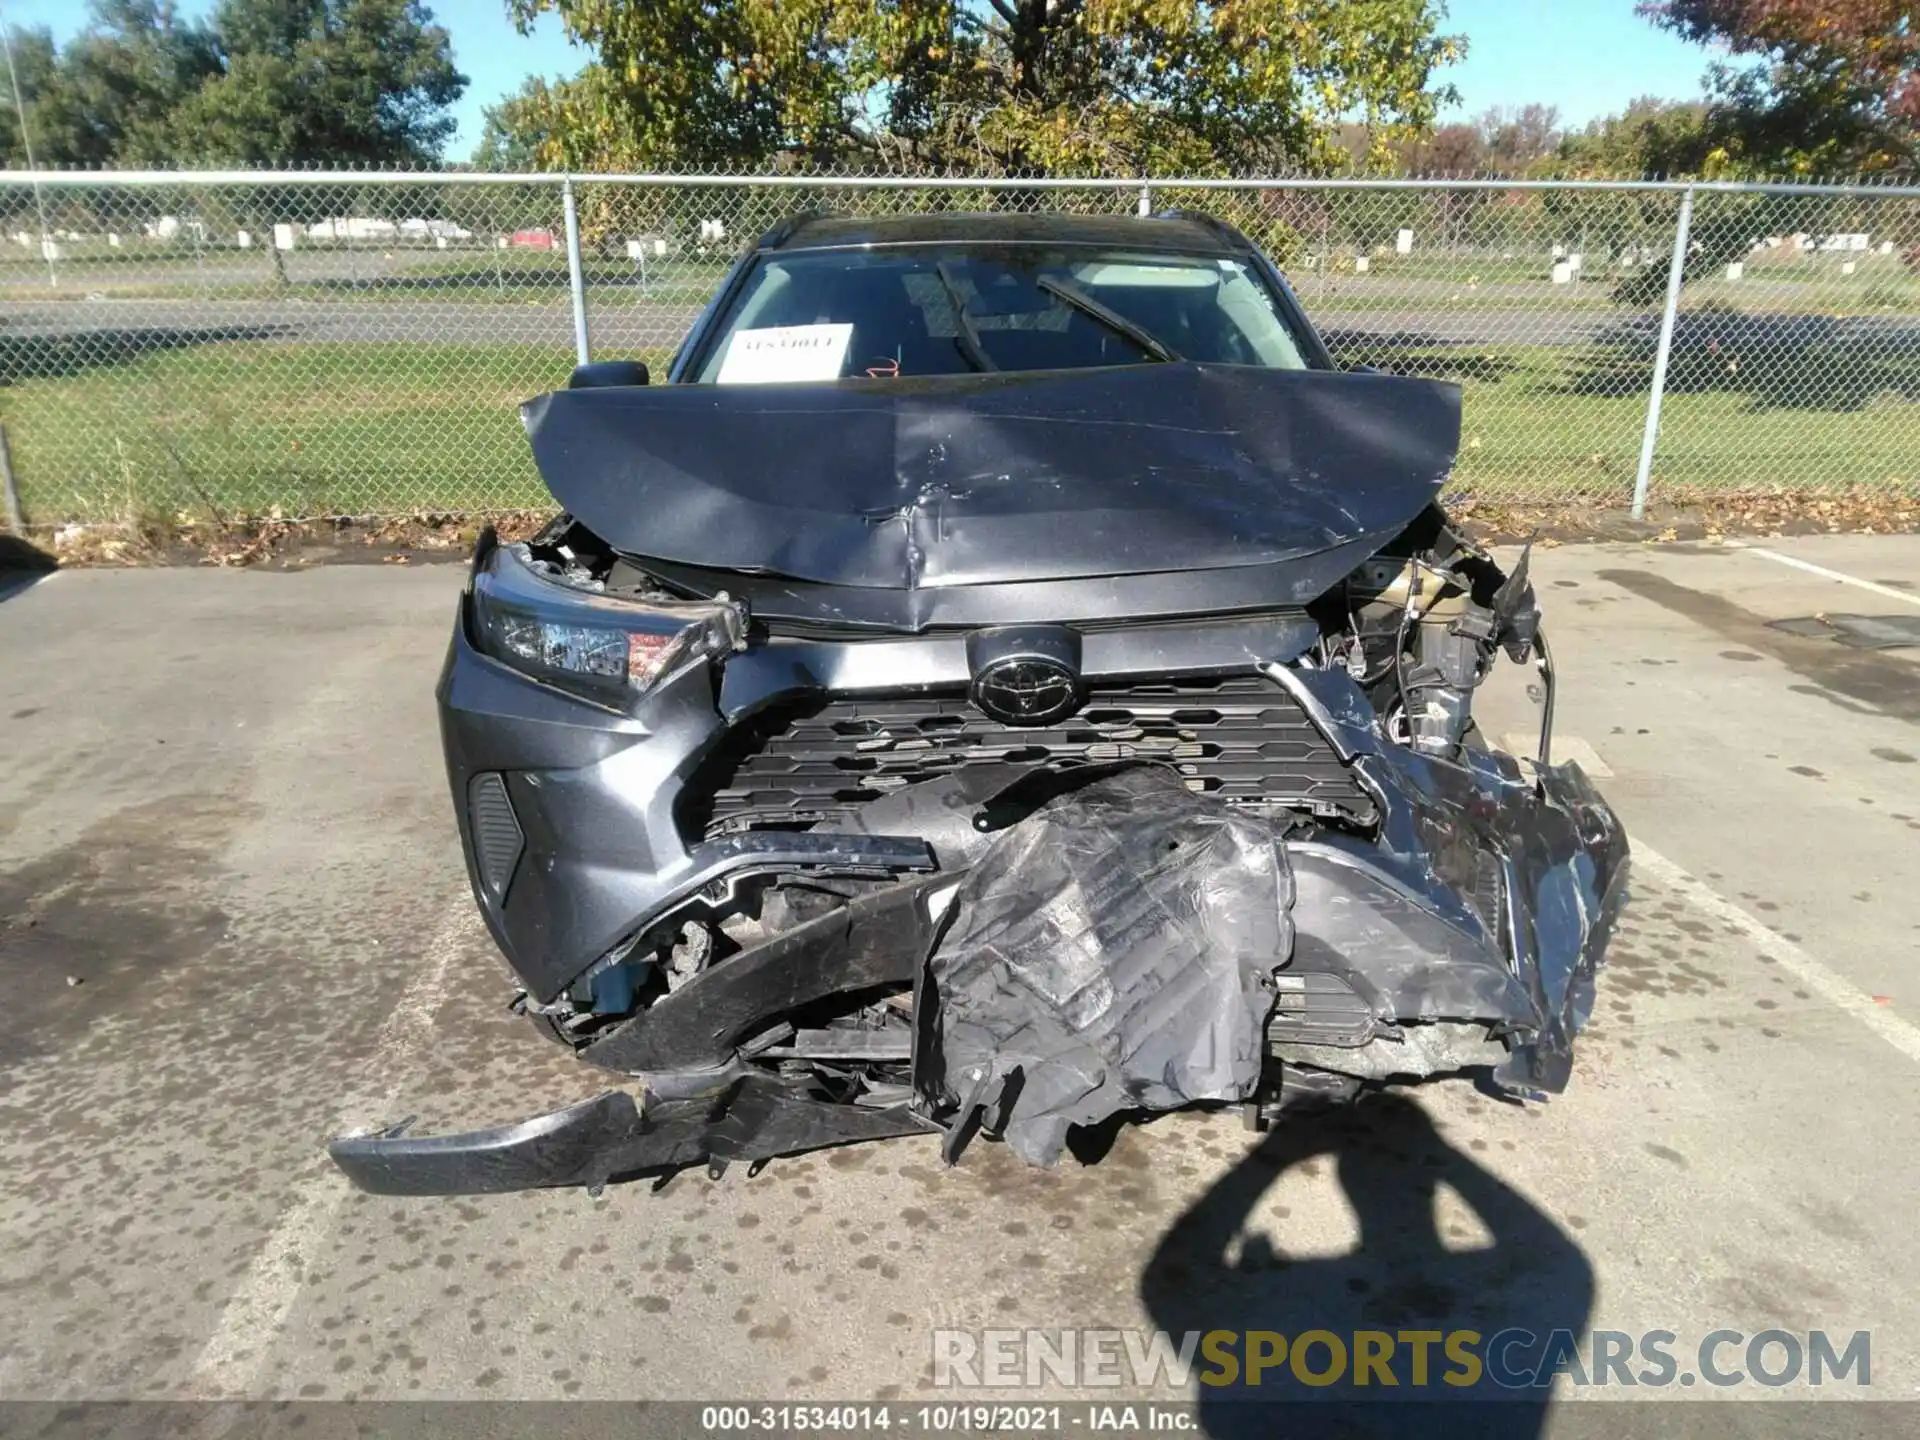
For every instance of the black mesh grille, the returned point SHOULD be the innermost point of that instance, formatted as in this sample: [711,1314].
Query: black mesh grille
[1242,738]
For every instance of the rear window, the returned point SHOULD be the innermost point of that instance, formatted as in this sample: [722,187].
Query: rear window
[944,310]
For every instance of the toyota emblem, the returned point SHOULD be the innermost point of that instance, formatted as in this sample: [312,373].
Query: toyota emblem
[1026,690]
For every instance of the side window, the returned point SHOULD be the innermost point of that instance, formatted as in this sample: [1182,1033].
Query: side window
[769,302]
[1250,310]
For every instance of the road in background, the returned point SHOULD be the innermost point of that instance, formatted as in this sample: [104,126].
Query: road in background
[631,320]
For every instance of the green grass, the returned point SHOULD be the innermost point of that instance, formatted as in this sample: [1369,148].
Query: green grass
[243,427]
[474,272]
[1540,423]
[312,429]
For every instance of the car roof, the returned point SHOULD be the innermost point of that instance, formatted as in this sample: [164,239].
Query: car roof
[1172,231]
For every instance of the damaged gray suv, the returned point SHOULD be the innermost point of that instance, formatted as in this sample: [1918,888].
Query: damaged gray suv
[1007,679]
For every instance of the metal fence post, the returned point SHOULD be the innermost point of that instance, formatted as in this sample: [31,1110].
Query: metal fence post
[1676,272]
[1146,198]
[26,140]
[576,281]
[10,488]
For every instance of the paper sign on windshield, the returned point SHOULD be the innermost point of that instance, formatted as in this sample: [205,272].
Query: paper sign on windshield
[785,353]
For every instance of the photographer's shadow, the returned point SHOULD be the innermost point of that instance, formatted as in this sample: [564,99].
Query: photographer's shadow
[1222,1267]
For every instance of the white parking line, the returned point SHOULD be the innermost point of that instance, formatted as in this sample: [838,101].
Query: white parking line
[1824,573]
[234,1359]
[1825,982]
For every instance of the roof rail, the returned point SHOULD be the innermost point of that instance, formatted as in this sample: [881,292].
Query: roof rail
[1203,218]
[783,228]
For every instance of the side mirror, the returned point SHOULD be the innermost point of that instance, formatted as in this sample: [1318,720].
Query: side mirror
[1365,370]
[601,373]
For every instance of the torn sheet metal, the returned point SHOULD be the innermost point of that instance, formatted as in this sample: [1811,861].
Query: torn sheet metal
[1114,951]
[1532,862]
[1125,945]
[1129,945]
[945,481]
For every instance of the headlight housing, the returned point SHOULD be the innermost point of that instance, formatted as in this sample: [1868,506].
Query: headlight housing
[608,645]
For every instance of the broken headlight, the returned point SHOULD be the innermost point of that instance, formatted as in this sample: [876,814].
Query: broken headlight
[557,630]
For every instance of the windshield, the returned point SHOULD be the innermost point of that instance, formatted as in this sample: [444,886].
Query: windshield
[950,309]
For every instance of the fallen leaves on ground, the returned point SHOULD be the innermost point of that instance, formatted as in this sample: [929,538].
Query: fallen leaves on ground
[269,539]
[1709,517]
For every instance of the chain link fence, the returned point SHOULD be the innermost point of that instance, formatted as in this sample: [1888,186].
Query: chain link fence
[214,346]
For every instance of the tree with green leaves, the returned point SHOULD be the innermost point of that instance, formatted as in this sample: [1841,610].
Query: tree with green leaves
[1650,137]
[40,85]
[261,82]
[120,77]
[987,86]
[315,82]
[512,134]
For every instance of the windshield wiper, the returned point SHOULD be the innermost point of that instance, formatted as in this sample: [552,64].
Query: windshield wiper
[1116,322]
[966,338]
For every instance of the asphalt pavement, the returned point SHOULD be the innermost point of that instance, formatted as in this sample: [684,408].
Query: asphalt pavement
[233,922]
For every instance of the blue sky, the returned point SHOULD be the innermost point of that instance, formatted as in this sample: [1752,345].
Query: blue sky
[1588,57]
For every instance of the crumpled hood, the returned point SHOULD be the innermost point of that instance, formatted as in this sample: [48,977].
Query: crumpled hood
[998,478]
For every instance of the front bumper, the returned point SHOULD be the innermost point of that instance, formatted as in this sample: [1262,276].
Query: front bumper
[572,810]
[1466,931]
[610,1138]
[1483,906]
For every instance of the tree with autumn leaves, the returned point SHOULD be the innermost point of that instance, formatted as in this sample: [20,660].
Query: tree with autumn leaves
[997,87]
[1812,87]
